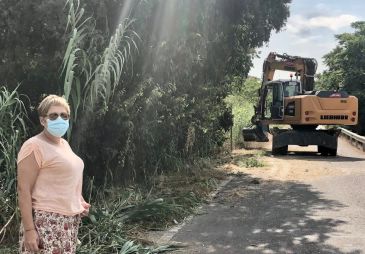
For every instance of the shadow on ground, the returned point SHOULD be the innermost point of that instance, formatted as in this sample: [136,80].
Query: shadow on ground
[254,216]
[313,156]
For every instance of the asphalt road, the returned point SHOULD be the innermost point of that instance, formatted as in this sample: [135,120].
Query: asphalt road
[299,203]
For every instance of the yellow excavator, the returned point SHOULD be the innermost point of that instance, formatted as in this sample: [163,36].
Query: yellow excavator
[294,102]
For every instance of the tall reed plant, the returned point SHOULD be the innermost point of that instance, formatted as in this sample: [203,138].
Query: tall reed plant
[89,85]
[12,132]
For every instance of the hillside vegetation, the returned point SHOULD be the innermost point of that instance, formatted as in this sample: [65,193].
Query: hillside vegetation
[147,82]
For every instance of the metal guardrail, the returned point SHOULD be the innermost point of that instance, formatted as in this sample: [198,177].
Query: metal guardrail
[355,139]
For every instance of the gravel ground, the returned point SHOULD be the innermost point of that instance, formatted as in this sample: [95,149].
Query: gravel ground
[299,203]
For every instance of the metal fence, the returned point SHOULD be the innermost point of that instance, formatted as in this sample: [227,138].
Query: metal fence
[355,139]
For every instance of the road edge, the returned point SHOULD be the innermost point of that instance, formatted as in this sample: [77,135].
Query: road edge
[170,233]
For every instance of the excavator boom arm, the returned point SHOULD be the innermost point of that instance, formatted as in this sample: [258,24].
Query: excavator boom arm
[304,68]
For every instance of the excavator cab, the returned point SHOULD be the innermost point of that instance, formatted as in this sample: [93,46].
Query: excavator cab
[274,95]
[274,101]
[292,88]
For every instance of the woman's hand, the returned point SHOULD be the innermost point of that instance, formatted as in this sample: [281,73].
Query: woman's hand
[31,240]
[87,208]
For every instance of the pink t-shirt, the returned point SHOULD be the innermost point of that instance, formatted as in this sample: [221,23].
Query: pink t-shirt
[59,183]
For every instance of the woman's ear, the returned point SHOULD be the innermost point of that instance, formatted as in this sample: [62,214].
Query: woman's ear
[43,121]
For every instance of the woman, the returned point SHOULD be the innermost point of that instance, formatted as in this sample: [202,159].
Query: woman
[50,185]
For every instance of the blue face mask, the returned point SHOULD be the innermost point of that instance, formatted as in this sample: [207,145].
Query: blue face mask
[57,127]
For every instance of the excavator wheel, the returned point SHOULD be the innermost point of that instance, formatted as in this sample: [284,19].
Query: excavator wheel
[279,150]
[325,151]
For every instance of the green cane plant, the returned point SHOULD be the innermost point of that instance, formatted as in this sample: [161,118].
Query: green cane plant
[12,133]
[89,86]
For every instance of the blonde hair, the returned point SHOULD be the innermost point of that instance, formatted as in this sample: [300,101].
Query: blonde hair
[52,100]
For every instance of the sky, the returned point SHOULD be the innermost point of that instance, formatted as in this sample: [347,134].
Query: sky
[310,30]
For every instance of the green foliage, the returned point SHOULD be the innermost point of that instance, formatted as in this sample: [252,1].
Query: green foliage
[250,161]
[105,231]
[141,105]
[90,84]
[253,162]
[119,213]
[346,68]
[171,105]
[242,101]
[12,133]
[158,105]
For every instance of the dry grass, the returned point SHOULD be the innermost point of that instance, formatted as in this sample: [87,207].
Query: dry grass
[120,217]
[124,216]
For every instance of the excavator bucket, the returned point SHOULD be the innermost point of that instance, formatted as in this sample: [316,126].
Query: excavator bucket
[255,134]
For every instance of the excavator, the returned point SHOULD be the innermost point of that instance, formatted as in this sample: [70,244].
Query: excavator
[294,102]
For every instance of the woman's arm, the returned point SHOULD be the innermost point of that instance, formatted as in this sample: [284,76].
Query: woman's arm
[28,170]
[86,207]
[85,204]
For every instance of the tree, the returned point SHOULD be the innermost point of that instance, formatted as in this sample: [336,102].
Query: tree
[169,99]
[167,102]
[346,68]
[242,102]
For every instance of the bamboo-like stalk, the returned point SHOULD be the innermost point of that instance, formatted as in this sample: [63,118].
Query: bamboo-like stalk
[107,74]
[89,87]
[12,133]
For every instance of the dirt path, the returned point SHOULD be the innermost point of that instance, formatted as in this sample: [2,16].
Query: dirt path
[303,163]
[299,203]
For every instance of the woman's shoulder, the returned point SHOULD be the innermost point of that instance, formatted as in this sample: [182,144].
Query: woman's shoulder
[31,145]
[35,140]
[65,142]
[38,142]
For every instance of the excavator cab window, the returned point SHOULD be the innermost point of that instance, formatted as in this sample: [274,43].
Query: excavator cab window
[274,101]
[291,88]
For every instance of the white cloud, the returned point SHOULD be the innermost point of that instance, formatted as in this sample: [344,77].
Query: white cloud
[298,24]
[310,31]
[321,6]
[307,39]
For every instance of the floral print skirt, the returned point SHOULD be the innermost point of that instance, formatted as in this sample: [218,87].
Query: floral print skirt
[57,233]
